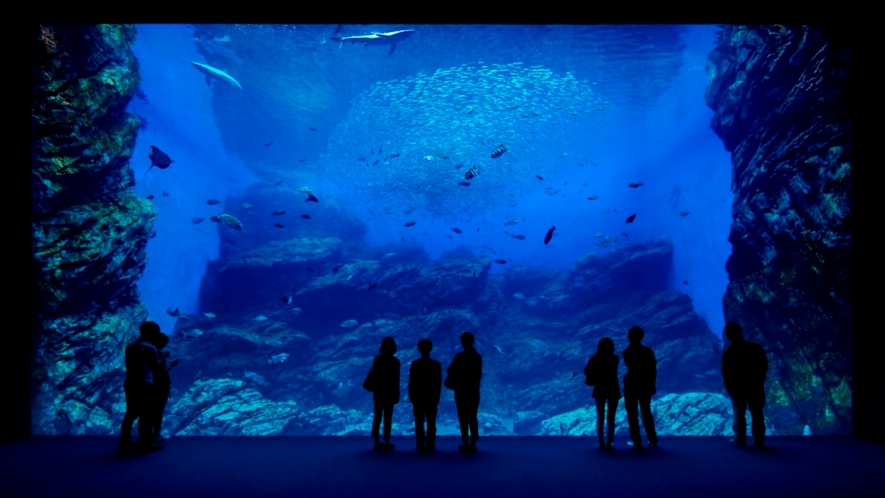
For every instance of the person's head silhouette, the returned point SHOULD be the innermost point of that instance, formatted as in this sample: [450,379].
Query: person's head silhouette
[467,340]
[160,340]
[149,330]
[734,332]
[425,347]
[635,335]
[388,346]
[606,346]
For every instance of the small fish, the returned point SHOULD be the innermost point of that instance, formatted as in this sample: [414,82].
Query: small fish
[511,221]
[303,190]
[349,323]
[456,230]
[361,159]
[305,216]
[469,109]
[459,166]
[519,295]
[208,314]
[373,285]
[464,184]
[310,269]
[631,218]
[150,197]
[230,221]
[313,129]
[311,198]
[549,236]
[499,150]
[286,299]
[624,234]
[296,311]
[683,213]
[213,202]
[278,182]
[539,177]
[685,282]
[518,236]
[395,154]
[216,219]
[196,221]
[449,236]
[337,267]
[278,212]
[259,318]
[501,261]
[173,312]
[409,224]
[165,194]
[246,205]
[592,198]
[301,160]
[279,225]
[635,185]
[268,144]
[152,235]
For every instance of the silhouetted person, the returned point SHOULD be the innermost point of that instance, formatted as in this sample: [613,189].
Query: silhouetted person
[162,384]
[142,361]
[465,373]
[744,367]
[639,387]
[425,383]
[386,372]
[604,365]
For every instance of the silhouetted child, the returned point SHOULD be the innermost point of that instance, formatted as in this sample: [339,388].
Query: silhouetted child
[639,387]
[386,372]
[425,383]
[603,368]
[744,367]
[162,384]
[142,363]
[465,373]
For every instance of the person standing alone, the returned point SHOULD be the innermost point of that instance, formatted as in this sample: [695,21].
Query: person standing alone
[744,367]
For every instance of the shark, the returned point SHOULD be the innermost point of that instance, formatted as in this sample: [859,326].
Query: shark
[390,38]
[218,74]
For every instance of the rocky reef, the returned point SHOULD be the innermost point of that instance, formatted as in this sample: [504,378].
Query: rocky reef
[89,230]
[781,96]
[293,360]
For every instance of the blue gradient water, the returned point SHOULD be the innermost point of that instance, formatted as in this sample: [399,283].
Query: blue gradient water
[655,129]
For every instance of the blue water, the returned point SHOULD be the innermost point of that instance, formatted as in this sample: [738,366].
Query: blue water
[637,94]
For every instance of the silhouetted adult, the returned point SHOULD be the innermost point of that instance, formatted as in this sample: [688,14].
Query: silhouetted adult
[425,383]
[386,374]
[744,367]
[142,362]
[603,368]
[465,373]
[162,384]
[639,387]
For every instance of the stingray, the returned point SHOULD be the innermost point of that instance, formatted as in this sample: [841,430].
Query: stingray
[159,159]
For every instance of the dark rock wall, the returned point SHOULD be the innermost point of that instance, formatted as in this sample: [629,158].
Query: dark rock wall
[89,229]
[782,107]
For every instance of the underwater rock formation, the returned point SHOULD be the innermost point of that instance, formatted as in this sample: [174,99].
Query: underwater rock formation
[316,350]
[781,96]
[89,230]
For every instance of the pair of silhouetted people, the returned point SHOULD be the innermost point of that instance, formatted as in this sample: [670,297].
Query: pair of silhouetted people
[639,386]
[744,367]
[146,387]
[425,381]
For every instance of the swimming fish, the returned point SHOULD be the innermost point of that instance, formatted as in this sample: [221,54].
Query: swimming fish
[150,197]
[311,198]
[539,177]
[279,225]
[208,314]
[631,218]
[472,172]
[159,159]
[549,236]
[196,220]
[464,184]
[635,185]
[409,223]
[456,230]
[305,216]
[518,236]
[592,198]
[246,205]
[259,318]
[349,323]
[230,221]
[499,150]
[213,202]
[683,213]
[373,285]
[278,212]
[310,269]
[286,299]
[211,72]
[268,144]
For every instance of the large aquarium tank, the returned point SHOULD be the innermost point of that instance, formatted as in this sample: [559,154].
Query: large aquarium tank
[280,198]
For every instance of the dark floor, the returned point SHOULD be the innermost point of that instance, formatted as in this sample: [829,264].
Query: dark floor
[504,466]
